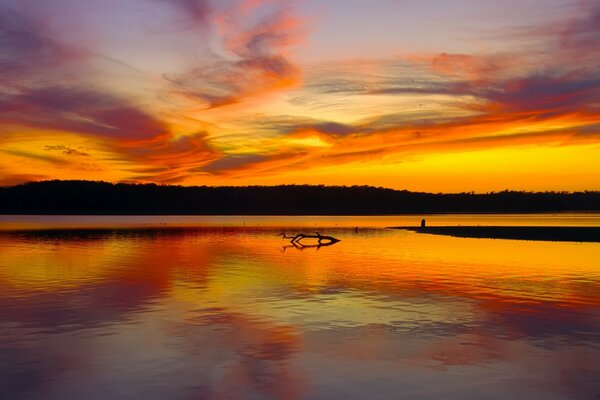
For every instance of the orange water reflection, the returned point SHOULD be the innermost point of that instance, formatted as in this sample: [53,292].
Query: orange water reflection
[226,313]
[40,222]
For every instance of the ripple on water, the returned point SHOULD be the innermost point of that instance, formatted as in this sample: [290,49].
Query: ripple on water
[226,312]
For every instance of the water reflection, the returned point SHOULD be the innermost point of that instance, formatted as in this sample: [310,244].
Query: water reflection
[224,313]
[40,222]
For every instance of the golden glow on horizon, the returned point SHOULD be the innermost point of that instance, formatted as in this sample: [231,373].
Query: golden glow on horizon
[390,159]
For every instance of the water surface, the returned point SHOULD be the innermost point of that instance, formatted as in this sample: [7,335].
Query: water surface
[36,222]
[232,312]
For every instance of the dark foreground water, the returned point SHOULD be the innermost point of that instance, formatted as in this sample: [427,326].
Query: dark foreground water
[234,312]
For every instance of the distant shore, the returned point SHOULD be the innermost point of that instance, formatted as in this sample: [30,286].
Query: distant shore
[544,233]
[103,198]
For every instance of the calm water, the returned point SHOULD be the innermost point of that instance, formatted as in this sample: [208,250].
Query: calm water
[219,310]
[36,222]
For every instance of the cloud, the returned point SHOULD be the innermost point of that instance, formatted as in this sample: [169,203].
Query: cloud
[254,62]
[549,93]
[500,106]
[80,110]
[465,65]
[482,101]
[197,108]
[273,32]
[577,38]
[231,162]
[198,10]
[481,79]
[39,157]
[166,159]
[27,49]
[39,91]
[121,128]
[43,97]
[127,132]
[228,82]
[285,125]
[509,129]
[66,150]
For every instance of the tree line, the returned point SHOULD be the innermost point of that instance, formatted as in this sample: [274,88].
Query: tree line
[88,197]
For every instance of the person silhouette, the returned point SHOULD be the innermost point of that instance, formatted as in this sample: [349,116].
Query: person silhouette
[423,223]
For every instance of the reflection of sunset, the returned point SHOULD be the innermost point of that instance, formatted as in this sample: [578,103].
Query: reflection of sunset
[245,316]
[518,270]
[51,266]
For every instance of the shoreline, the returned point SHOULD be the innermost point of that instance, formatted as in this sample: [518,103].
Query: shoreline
[538,233]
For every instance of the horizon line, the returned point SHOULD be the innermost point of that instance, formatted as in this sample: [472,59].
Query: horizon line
[167,185]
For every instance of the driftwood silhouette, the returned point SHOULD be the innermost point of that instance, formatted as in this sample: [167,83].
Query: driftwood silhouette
[322,240]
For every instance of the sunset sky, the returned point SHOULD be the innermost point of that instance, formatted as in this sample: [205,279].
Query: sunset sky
[436,95]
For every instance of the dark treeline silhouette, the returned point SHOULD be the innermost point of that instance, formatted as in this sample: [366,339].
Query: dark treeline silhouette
[85,197]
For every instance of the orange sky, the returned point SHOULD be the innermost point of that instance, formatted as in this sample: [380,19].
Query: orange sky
[450,98]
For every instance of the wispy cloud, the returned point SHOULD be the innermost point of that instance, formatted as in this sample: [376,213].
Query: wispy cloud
[28,50]
[67,150]
[190,91]
[254,60]
[76,109]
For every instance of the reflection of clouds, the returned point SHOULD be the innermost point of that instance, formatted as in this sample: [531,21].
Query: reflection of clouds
[548,324]
[25,373]
[263,353]
[223,313]
[69,280]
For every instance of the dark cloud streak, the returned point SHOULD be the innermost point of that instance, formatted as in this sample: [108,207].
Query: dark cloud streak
[79,110]
[198,10]
[66,150]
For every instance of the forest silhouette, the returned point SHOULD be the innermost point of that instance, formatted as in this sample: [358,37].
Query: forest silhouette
[88,197]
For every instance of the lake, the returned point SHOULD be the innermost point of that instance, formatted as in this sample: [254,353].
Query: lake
[220,307]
